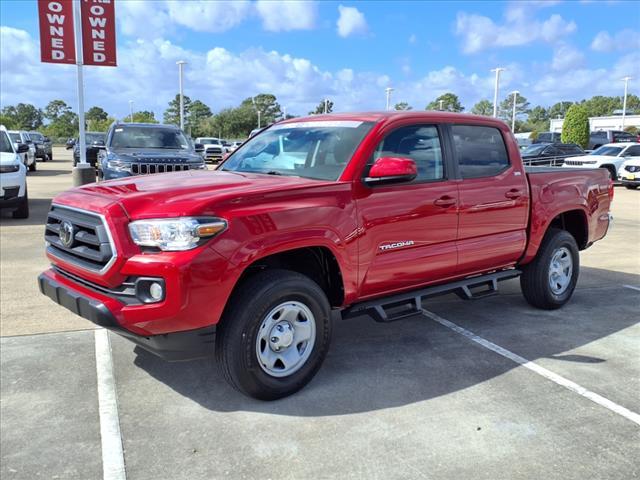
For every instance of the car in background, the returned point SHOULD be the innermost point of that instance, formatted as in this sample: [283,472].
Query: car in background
[214,149]
[44,148]
[550,154]
[94,141]
[234,146]
[610,156]
[146,148]
[13,176]
[548,137]
[629,173]
[28,157]
[603,137]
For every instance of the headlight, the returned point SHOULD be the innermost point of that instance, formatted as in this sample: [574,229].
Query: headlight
[119,165]
[175,234]
[9,168]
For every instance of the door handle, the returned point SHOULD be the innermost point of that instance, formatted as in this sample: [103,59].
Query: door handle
[445,201]
[513,194]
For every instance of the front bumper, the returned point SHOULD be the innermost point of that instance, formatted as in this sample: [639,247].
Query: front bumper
[172,346]
[12,187]
[631,180]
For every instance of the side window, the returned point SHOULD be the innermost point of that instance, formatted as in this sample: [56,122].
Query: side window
[480,151]
[633,151]
[421,143]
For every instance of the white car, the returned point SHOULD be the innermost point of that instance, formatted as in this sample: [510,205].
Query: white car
[629,173]
[13,176]
[610,156]
[213,149]
[28,157]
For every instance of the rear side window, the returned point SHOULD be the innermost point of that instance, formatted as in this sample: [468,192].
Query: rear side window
[633,151]
[480,151]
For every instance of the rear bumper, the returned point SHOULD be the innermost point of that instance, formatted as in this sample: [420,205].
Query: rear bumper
[624,181]
[104,312]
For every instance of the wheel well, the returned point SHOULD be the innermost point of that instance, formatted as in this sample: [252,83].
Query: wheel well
[574,222]
[317,263]
[611,168]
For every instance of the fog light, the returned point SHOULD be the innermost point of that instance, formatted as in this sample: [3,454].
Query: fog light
[156,291]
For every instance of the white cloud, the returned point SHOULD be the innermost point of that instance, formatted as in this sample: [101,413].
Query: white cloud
[207,16]
[287,15]
[625,40]
[566,57]
[351,22]
[480,33]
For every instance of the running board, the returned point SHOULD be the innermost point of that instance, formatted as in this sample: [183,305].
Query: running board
[403,305]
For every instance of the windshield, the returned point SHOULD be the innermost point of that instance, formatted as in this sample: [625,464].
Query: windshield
[89,138]
[5,143]
[533,149]
[207,140]
[149,137]
[608,151]
[36,136]
[315,149]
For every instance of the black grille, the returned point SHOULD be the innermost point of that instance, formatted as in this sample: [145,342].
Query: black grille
[148,168]
[89,246]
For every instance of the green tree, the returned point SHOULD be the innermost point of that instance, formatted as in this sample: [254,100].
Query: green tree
[65,125]
[575,128]
[450,103]
[55,108]
[8,121]
[558,110]
[538,114]
[198,112]
[483,107]
[266,104]
[144,116]
[96,114]
[24,116]
[600,106]
[506,107]
[172,113]
[402,106]
[321,107]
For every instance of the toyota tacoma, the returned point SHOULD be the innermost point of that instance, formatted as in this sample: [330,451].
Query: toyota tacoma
[317,218]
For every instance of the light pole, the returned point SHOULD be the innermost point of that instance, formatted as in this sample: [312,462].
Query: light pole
[441,102]
[495,90]
[624,102]
[388,90]
[181,65]
[513,116]
[253,100]
[326,105]
[130,111]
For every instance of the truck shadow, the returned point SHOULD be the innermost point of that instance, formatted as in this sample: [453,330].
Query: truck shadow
[374,366]
[38,210]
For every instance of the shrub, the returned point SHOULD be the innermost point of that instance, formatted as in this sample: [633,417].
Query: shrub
[534,135]
[575,128]
[632,130]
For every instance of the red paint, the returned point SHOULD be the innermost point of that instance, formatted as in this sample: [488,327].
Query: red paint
[56,31]
[98,32]
[385,239]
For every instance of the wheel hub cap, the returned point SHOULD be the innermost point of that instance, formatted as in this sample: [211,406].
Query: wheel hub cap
[285,339]
[560,271]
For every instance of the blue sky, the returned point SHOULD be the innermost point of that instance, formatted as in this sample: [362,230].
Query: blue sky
[346,51]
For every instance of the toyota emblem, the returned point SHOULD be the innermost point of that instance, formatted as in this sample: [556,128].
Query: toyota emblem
[66,234]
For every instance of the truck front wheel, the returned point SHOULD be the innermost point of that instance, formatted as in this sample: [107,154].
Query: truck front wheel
[274,335]
[549,280]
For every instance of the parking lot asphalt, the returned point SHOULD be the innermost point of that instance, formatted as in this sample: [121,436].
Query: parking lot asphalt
[411,399]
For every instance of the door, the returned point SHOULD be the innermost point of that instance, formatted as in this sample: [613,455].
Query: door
[408,230]
[494,200]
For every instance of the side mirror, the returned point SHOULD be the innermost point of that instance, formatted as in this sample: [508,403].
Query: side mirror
[391,170]
[70,143]
[22,148]
[199,147]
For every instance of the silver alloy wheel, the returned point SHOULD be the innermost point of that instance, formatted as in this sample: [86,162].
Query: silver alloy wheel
[285,339]
[560,270]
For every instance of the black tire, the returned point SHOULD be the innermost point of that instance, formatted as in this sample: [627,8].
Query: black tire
[32,167]
[23,208]
[631,187]
[612,172]
[237,334]
[535,278]
[50,157]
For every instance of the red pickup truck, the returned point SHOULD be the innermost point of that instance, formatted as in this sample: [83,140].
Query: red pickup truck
[316,218]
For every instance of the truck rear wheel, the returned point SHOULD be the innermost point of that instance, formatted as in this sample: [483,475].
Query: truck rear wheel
[274,335]
[550,279]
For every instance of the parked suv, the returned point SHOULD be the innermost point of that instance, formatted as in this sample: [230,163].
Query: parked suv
[13,176]
[548,137]
[550,154]
[214,149]
[94,141]
[28,156]
[610,157]
[602,137]
[144,148]
[44,150]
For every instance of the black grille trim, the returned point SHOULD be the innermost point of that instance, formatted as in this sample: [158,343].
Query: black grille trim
[150,168]
[92,248]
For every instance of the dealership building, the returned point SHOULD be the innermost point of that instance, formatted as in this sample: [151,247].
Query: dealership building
[613,122]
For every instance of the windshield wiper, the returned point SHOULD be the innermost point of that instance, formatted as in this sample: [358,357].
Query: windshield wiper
[272,172]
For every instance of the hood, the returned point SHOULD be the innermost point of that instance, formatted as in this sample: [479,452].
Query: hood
[140,154]
[7,158]
[190,193]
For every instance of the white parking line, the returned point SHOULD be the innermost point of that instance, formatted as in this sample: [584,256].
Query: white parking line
[632,287]
[112,453]
[549,375]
